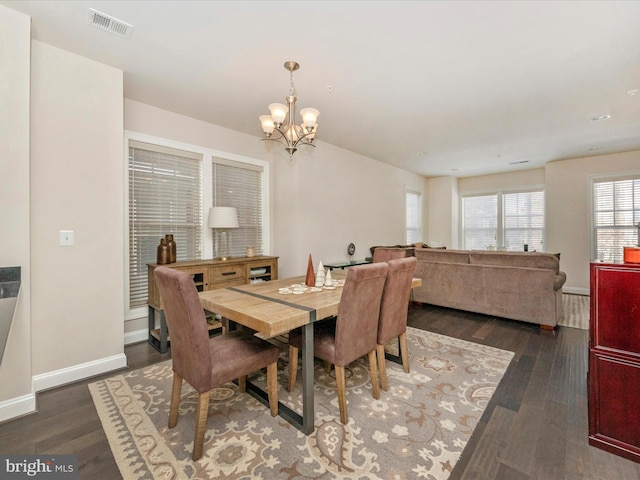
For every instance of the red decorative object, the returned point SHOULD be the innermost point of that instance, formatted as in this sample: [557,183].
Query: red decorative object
[311,276]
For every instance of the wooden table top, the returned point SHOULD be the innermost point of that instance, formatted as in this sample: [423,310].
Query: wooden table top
[259,306]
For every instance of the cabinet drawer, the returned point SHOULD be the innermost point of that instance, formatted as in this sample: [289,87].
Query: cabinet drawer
[226,273]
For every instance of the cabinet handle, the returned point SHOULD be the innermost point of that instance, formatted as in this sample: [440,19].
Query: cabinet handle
[228,273]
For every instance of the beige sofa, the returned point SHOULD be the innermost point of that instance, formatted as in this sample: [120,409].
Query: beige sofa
[523,286]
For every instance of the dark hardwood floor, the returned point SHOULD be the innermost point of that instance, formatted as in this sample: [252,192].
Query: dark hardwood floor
[534,428]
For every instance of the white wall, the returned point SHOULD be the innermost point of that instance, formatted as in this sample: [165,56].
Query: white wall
[77,183]
[15,370]
[442,211]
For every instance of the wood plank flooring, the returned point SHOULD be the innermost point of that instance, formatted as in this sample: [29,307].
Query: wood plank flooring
[534,428]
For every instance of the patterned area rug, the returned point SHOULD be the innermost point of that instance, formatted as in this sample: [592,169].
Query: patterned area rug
[576,311]
[417,429]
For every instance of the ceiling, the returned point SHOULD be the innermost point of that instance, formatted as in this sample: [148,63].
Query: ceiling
[434,87]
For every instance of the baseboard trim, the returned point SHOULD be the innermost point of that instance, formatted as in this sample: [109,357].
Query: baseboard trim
[576,291]
[136,336]
[17,407]
[78,372]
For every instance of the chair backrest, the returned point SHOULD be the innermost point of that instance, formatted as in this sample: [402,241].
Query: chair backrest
[187,327]
[395,299]
[358,312]
[382,254]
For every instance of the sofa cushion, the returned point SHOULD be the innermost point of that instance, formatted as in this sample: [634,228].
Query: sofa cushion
[446,256]
[548,261]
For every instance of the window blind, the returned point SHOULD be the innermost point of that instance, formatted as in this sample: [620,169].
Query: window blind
[240,186]
[413,217]
[504,220]
[616,211]
[165,197]
[523,221]
[479,222]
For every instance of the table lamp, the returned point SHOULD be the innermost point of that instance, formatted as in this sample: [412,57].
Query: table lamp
[221,219]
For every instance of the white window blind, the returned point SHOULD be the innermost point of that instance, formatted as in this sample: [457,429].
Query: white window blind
[479,222]
[239,185]
[523,220]
[413,217]
[504,220]
[165,197]
[616,210]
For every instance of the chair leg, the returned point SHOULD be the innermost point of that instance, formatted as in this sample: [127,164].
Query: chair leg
[382,367]
[242,383]
[201,424]
[272,387]
[404,352]
[374,374]
[342,394]
[176,391]
[293,367]
[327,367]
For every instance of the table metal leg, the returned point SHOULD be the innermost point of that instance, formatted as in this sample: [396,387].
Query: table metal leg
[308,413]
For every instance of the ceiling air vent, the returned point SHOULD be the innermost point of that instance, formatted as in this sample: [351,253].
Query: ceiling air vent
[110,24]
[520,162]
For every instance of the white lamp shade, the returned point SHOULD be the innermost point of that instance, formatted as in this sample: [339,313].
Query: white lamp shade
[309,116]
[223,217]
[267,124]
[278,112]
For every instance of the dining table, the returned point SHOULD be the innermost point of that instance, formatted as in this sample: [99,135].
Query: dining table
[274,308]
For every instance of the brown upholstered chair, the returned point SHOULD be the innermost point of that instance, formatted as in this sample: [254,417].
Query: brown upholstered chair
[206,362]
[382,254]
[393,312]
[352,334]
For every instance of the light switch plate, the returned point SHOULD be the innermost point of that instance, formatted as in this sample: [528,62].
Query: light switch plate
[66,238]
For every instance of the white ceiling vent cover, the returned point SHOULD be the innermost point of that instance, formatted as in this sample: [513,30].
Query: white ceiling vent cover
[110,24]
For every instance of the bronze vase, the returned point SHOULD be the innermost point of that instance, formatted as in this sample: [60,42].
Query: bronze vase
[172,248]
[163,252]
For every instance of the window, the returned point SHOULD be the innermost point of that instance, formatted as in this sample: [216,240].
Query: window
[413,217]
[503,220]
[240,185]
[616,213]
[165,196]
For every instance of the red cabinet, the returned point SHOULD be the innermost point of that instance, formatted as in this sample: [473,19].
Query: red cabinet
[614,359]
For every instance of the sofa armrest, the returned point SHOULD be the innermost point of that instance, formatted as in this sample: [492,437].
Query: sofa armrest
[561,278]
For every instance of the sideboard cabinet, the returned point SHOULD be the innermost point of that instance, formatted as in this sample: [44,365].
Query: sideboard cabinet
[614,359]
[207,275]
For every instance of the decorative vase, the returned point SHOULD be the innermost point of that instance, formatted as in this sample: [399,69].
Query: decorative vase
[311,276]
[172,248]
[251,251]
[164,255]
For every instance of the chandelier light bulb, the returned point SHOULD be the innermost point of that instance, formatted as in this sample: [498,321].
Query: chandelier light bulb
[309,117]
[267,124]
[278,113]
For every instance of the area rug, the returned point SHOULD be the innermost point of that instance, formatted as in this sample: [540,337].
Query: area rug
[576,311]
[416,430]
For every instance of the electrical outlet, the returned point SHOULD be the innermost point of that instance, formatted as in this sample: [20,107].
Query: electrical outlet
[66,238]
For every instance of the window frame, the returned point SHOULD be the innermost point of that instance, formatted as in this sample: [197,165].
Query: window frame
[604,178]
[208,157]
[407,229]
[500,220]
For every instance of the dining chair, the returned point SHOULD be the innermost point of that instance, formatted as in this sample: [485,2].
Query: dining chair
[382,254]
[353,333]
[393,312]
[203,362]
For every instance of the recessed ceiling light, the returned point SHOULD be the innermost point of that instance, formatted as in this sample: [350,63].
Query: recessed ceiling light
[421,154]
[454,169]
[593,149]
[600,117]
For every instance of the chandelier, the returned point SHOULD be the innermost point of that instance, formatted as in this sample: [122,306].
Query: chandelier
[288,133]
